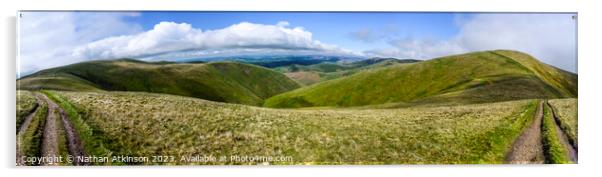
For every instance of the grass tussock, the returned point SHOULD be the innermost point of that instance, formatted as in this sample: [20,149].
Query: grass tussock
[566,110]
[26,104]
[142,124]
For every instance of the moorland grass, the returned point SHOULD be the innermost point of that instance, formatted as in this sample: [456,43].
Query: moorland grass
[142,124]
[26,104]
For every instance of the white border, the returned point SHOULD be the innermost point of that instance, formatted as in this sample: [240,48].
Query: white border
[588,64]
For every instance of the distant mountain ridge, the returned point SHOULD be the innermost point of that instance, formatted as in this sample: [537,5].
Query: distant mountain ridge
[272,61]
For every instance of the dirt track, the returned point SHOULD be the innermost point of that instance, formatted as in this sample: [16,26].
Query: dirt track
[49,137]
[528,147]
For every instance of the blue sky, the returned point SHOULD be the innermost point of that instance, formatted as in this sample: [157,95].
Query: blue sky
[333,28]
[50,39]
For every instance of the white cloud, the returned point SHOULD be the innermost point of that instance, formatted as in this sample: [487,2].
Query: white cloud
[183,39]
[283,24]
[47,39]
[549,37]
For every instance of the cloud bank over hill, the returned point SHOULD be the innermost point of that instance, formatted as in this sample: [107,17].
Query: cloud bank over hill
[170,37]
[548,37]
[47,39]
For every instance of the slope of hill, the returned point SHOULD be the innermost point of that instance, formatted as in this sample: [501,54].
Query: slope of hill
[565,81]
[372,63]
[477,77]
[311,74]
[218,81]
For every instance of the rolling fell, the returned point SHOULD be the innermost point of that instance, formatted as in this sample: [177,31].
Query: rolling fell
[477,77]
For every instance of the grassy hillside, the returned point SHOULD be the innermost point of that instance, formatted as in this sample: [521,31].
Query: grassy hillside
[320,67]
[328,67]
[304,77]
[366,65]
[144,124]
[311,74]
[219,81]
[477,77]
[564,81]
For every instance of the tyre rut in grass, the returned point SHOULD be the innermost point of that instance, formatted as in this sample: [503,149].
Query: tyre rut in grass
[23,128]
[75,146]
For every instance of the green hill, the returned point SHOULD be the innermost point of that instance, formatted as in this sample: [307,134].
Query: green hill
[330,67]
[311,74]
[477,77]
[361,65]
[218,81]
